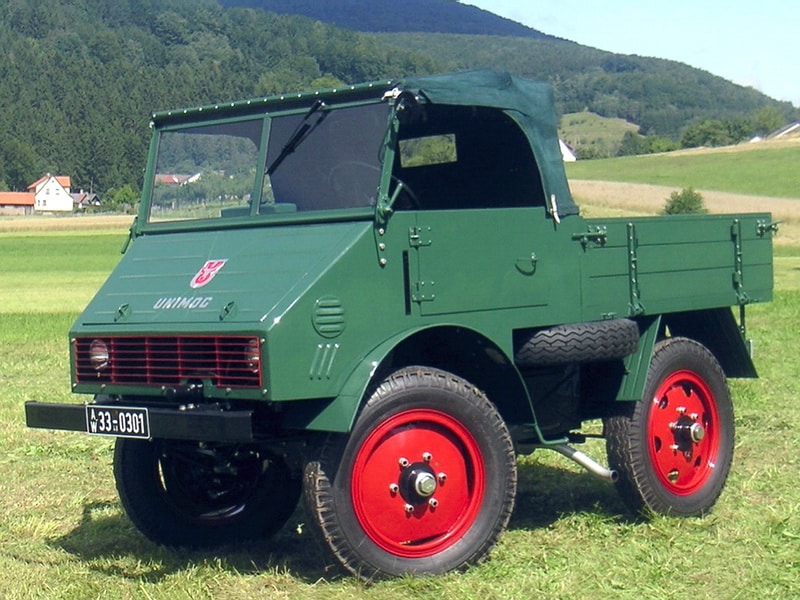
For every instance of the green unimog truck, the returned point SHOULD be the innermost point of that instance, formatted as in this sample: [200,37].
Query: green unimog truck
[376,297]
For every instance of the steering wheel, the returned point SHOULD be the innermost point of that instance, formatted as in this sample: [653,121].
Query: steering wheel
[347,179]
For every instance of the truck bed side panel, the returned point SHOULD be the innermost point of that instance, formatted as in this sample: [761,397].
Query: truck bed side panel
[657,265]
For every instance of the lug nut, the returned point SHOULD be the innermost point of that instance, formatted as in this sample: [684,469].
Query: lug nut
[433,503]
[403,462]
[394,488]
[442,477]
[427,456]
[409,508]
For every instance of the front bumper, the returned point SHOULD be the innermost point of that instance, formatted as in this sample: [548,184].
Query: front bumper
[202,424]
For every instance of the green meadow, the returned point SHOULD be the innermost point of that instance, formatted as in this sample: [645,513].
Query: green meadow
[64,535]
[761,169]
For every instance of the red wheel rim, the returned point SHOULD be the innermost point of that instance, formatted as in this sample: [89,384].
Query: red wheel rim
[683,433]
[418,483]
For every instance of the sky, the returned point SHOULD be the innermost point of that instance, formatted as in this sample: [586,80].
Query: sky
[756,44]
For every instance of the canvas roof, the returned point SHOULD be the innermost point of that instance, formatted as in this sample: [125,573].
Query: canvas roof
[529,103]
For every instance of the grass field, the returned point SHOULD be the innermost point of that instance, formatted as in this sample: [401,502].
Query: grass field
[758,169]
[63,534]
[589,130]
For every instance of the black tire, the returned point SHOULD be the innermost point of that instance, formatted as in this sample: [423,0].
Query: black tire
[424,484]
[673,449]
[579,342]
[198,495]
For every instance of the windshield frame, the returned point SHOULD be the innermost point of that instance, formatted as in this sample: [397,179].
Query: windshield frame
[254,218]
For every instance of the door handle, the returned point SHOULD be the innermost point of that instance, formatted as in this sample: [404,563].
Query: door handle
[527,266]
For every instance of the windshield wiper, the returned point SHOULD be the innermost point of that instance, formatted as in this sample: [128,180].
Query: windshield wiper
[299,135]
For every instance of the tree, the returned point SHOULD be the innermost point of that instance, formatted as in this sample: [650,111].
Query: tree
[767,120]
[687,201]
[122,200]
[19,165]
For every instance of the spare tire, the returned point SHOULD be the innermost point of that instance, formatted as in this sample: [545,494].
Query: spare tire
[577,343]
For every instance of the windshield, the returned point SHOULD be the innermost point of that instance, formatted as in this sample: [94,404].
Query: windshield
[323,159]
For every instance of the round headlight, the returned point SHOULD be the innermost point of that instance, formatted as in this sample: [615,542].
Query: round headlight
[252,356]
[98,355]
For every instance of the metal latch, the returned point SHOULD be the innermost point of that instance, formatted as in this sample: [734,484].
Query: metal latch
[596,235]
[763,228]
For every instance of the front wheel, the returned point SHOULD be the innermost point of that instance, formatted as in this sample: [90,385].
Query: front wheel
[673,449]
[425,483]
[198,494]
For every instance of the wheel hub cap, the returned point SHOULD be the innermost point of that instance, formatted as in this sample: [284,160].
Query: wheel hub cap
[682,432]
[417,483]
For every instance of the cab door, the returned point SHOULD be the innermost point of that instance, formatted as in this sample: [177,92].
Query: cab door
[488,259]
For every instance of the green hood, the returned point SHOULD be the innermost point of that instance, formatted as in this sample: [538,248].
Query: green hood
[246,276]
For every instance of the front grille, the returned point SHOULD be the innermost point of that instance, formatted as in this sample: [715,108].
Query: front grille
[172,361]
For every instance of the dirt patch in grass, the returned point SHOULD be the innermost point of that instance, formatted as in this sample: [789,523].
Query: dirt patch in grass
[71,223]
[638,199]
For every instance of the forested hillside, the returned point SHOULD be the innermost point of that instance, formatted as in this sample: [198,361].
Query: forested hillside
[673,104]
[660,96]
[431,16]
[79,78]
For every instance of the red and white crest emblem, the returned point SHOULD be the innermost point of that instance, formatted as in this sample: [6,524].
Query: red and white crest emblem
[207,272]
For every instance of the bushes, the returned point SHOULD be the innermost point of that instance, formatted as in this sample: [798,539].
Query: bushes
[687,201]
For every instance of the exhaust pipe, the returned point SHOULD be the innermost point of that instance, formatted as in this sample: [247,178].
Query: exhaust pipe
[587,463]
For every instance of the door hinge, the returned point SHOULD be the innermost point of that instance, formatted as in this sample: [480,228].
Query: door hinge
[423,291]
[419,236]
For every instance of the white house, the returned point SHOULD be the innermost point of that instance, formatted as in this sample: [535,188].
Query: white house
[52,194]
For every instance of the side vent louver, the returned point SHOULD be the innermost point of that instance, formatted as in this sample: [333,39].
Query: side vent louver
[328,317]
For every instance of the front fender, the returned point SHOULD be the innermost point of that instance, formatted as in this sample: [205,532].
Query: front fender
[339,414]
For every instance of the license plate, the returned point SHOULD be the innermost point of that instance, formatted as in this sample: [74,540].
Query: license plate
[118,421]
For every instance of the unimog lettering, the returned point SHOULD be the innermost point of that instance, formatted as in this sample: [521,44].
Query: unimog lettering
[181,302]
[425,225]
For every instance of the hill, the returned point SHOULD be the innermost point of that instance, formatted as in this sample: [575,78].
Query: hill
[593,134]
[80,77]
[661,97]
[431,16]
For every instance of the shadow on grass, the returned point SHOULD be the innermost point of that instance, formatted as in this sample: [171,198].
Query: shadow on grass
[108,542]
[546,494]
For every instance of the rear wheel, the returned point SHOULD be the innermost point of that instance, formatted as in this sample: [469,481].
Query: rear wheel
[424,484]
[673,449]
[193,494]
